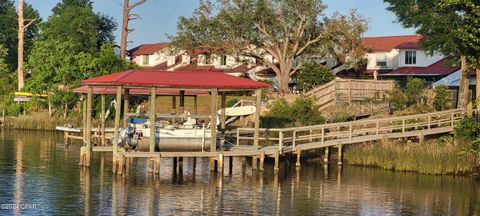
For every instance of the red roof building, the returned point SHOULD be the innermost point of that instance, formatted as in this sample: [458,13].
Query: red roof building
[177,79]
[388,43]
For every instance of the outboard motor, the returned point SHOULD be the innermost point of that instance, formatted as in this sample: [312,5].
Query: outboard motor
[124,135]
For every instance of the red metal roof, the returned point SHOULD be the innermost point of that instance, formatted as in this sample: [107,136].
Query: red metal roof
[177,79]
[386,44]
[437,69]
[147,49]
[113,90]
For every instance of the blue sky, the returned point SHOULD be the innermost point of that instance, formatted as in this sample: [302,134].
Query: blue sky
[160,16]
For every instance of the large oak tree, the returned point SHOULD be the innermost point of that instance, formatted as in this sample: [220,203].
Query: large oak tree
[287,31]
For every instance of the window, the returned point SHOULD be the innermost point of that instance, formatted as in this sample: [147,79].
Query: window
[410,57]
[145,59]
[381,60]
[223,60]
[207,59]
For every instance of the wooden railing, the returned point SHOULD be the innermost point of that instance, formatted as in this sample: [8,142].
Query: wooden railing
[350,90]
[355,131]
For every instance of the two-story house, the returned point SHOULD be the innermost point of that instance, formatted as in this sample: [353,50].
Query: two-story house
[400,57]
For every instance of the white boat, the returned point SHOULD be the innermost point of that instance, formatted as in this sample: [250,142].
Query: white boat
[187,137]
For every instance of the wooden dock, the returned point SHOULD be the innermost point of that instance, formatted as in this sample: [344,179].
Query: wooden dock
[276,143]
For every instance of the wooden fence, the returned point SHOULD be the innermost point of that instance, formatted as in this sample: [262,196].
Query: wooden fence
[319,136]
[350,90]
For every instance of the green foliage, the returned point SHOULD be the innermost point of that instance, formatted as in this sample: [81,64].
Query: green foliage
[313,75]
[414,90]
[467,129]
[232,102]
[8,31]
[397,99]
[431,157]
[302,112]
[74,21]
[58,68]
[442,99]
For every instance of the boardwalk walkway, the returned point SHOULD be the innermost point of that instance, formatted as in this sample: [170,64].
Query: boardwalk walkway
[320,136]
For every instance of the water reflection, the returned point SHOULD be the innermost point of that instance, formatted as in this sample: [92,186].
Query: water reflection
[36,168]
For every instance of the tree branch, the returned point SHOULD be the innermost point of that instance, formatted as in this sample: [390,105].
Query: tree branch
[29,23]
[134,16]
[130,7]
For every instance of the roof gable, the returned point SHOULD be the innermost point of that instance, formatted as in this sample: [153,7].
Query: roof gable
[388,43]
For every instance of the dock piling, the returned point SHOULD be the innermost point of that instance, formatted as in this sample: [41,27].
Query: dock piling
[276,167]
[254,163]
[340,154]
[299,153]
[220,163]
[262,161]
[326,155]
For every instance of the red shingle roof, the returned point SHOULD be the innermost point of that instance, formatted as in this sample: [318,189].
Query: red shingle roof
[386,44]
[437,69]
[177,79]
[112,91]
[147,49]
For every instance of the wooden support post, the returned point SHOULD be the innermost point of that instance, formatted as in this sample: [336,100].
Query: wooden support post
[223,118]
[280,141]
[244,163]
[323,135]
[157,165]
[377,130]
[340,154]
[403,125]
[195,104]
[121,164]
[254,162]
[89,126]
[452,120]
[294,139]
[153,111]
[262,161]
[65,137]
[350,91]
[182,101]
[429,122]
[256,136]
[103,119]
[421,137]
[220,163]
[126,106]
[213,120]
[230,165]
[116,127]
[238,137]
[277,161]
[82,155]
[84,120]
[326,154]
[212,164]
[299,153]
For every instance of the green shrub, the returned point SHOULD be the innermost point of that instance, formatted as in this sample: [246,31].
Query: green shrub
[232,102]
[414,90]
[303,111]
[313,75]
[467,129]
[397,99]
[442,99]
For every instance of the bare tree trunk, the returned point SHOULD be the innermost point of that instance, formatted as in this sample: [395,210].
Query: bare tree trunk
[127,16]
[477,88]
[21,31]
[464,84]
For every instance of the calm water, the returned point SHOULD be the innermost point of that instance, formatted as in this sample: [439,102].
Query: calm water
[39,174]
